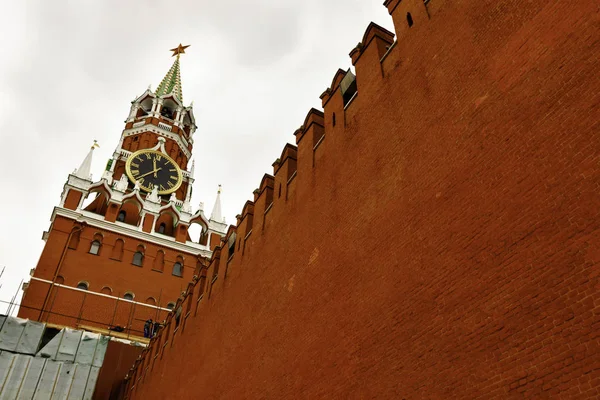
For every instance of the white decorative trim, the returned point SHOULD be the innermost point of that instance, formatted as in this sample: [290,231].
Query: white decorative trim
[131,231]
[164,126]
[99,294]
[217,227]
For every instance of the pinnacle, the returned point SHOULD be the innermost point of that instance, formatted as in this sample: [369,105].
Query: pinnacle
[216,214]
[171,83]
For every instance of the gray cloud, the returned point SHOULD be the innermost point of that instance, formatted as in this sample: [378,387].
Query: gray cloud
[70,68]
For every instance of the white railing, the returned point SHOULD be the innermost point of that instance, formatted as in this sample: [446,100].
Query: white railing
[165,126]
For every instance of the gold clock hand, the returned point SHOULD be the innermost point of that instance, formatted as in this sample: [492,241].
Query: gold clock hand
[155,170]
[147,173]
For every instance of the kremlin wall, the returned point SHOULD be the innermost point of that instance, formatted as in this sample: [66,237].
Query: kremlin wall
[432,234]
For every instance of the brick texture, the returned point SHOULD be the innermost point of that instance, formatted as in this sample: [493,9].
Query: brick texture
[109,272]
[440,242]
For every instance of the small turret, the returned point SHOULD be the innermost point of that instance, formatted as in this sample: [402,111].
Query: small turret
[216,214]
[84,170]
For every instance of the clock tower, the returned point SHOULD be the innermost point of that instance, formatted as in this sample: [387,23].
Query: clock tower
[120,250]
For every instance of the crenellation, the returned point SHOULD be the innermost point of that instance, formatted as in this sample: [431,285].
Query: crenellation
[284,168]
[407,15]
[263,201]
[213,269]
[366,58]
[400,165]
[333,107]
[313,116]
[246,224]
[325,96]
[337,79]
[308,137]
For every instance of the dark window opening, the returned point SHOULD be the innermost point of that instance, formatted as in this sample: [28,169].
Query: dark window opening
[349,92]
[280,190]
[82,286]
[166,112]
[178,316]
[162,227]
[138,259]
[333,119]
[136,138]
[129,296]
[409,19]
[95,247]
[177,269]
[121,216]
[348,88]
[171,305]
[49,334]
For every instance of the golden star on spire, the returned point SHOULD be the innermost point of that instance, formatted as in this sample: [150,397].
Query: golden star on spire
[179,50]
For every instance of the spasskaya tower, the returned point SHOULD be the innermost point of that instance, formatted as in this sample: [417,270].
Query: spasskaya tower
[119,250]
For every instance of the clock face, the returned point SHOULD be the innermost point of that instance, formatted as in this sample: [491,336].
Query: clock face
[151,169]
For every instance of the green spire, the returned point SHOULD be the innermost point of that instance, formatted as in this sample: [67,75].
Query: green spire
[171,83]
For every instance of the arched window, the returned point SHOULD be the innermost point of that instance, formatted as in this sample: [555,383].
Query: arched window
[74,241]
[138,258]
[162,227]
[117,251]
[177,269]
[151,301]
[121,216]
[82,285]
[171,305]
[159,261]
[409,19]
[59,279]
[129,296]
[106,290]
[95,247]
[166,112]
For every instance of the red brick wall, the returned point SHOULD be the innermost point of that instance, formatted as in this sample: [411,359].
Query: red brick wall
[107,269]
[118,359]
[440,243]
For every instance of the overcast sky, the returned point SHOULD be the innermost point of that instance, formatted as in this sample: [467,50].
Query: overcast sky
[69,70]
